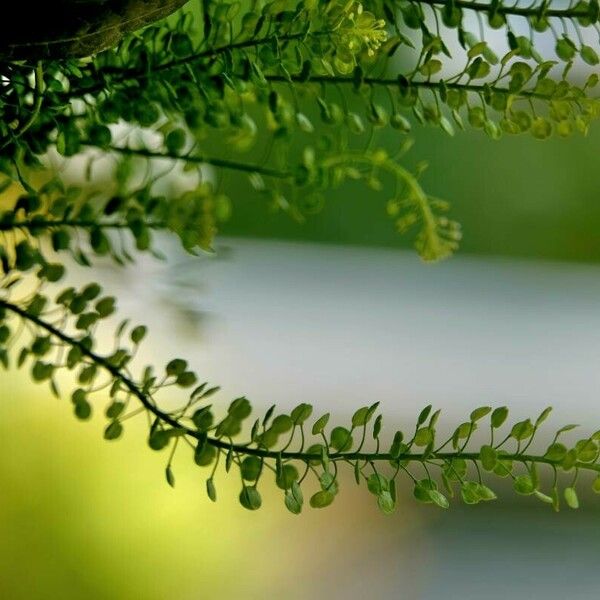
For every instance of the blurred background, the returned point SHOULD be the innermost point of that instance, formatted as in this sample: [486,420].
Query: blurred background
[337,312]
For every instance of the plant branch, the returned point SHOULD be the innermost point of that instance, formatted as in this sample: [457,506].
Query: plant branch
[167,419]
[570,12]
[206,160]
[391,82]
[120,75]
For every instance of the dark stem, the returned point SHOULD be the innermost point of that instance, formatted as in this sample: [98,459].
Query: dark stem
[206,160]
[530,11]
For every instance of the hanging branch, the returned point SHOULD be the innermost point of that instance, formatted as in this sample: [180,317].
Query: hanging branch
[271,440]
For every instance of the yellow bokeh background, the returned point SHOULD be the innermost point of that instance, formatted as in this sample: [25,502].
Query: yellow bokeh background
[81,517]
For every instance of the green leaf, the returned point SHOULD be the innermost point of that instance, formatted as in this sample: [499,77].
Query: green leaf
[294,499]
[304,123]
[386,503]
[211,490]
[169,476]
[469,493]
[99,242]
[175,140]
[82,410]
[556,452]
[569,460]
[587,451]
[463,431]
[485,493]
[341,439]
[423,415]
[240,409]
[523,484]
[565,49]
[159,439]
[203,418]
[571,497]
[479,413]
[397,446]
[566,428]
[51,272]
[488,457]
[522,430]
[477,49]
[377,427]
[377,484]
[250,468]
[478,68]
[434,419]
[320,424]
[250,498]
[282,424]
[431,67]
[91,291]
[541,128]
[204,454]
[400,122]
[99,135]
[176,367]
[363,415]
[499,415]
[328,482]
[321,499]
[592,80]
[422,489]
[286,478]
[423,436]
[113,431]
[543,497]
[456,469]
[40,346]
[106,306]
[439,498]
[138,334]
[186,379]
[476,116]
[79,395]
[301,413]
[543,416]
[60,240]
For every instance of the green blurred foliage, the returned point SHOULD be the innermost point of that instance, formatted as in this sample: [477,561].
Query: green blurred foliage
[515,197]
